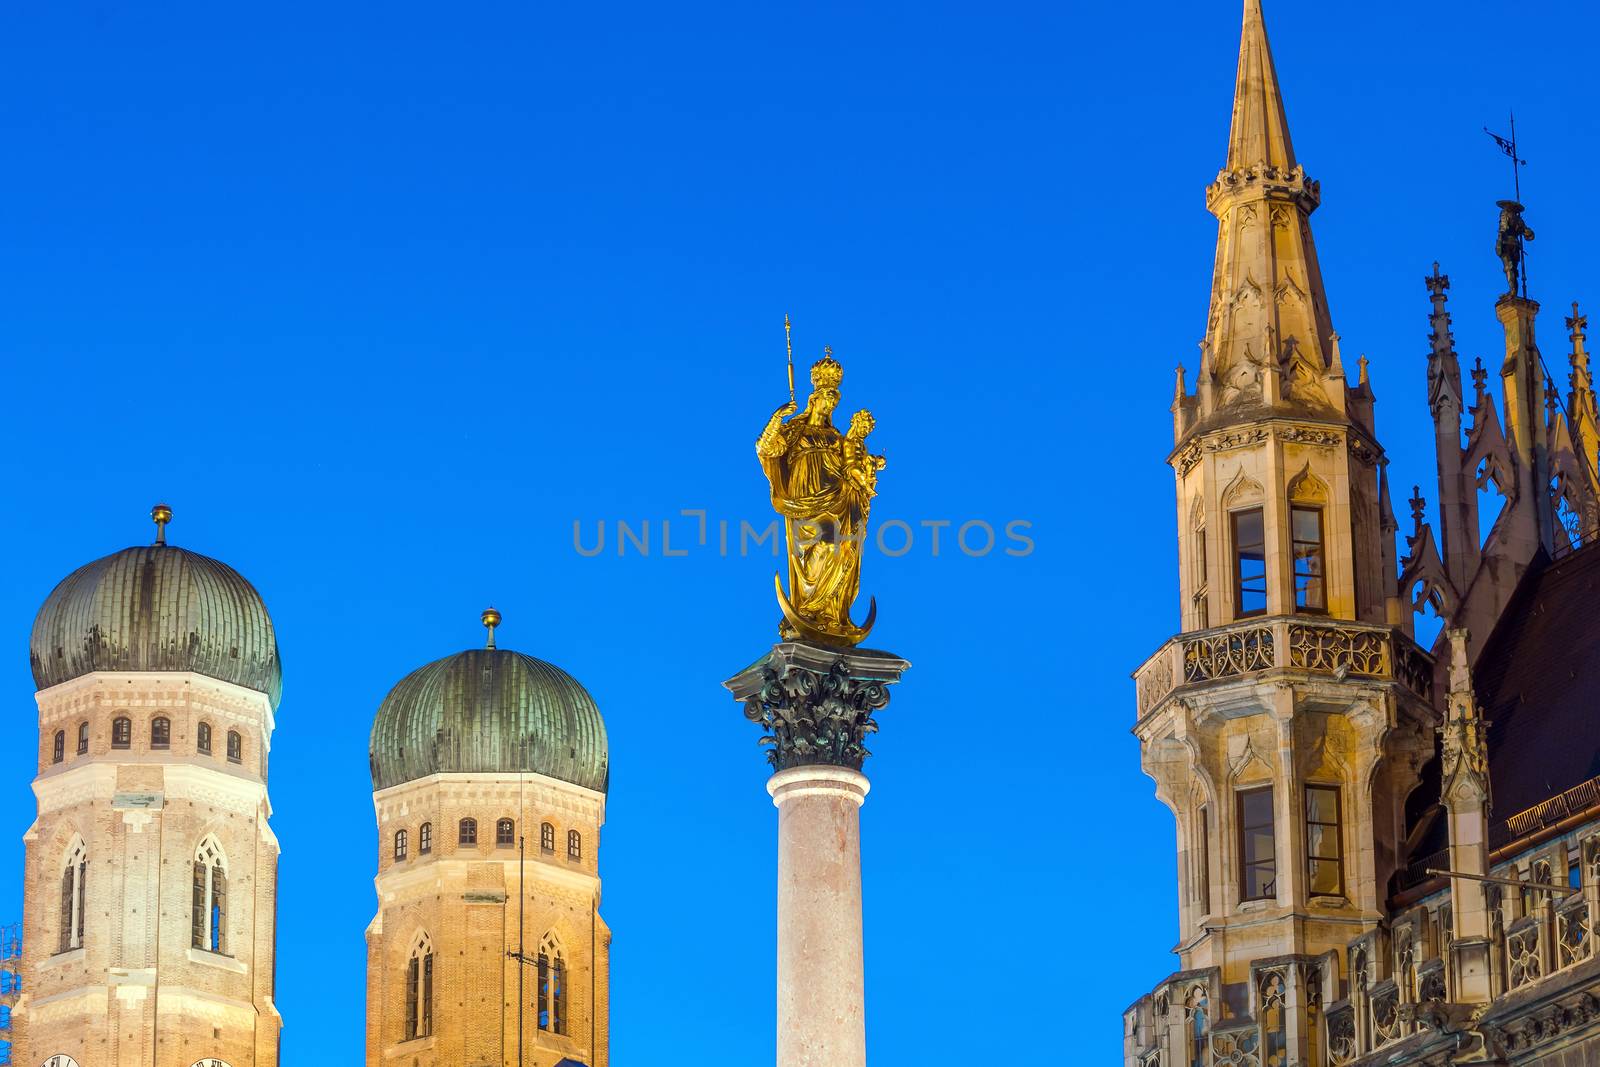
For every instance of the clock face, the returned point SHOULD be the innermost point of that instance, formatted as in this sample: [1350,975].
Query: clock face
[60,1061]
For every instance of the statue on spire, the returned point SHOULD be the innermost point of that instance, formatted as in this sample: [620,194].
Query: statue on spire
[1509,244]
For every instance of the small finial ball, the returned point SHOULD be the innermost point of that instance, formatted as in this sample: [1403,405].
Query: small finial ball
[161,514]
[491,618]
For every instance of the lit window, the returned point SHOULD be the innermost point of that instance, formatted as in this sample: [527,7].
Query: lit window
[160,733]
[74,880]
[1310,584]
[1258,870]
[399,845]
[1249,562]
[547,838]
[208,924]
[202,739]
[1322,840]
[425,839]
[122,733]
[550,991]
[468,832]
[574,845]
[505,833]
[58,749]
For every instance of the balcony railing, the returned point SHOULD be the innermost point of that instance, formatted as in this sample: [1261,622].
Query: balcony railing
[1283,643]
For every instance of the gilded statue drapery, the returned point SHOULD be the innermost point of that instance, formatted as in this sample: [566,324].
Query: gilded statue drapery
[822,484]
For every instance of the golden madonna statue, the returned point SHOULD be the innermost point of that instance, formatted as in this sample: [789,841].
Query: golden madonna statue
[823,483]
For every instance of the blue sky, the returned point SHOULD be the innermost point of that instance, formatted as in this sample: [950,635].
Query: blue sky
[383,298]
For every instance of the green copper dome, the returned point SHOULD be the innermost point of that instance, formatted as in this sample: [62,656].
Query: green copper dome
[489,710]
[156,608]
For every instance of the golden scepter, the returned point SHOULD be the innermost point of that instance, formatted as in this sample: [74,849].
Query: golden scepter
[789,344]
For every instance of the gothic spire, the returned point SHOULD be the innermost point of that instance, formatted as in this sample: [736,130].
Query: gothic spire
[1269,334]
[1260,133]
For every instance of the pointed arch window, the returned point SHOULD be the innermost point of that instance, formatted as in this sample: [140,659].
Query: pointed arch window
[425,839]
[400,839]
[1202,584]
[74,881]
[235,747]
[1249,562]
[1310,576]
[83,738]
[160,732]
[547,838]
[550,991]
[209,923]
[121,732]
[467,832]
[58,747]
[419,989]
[574,845]
[505,833]
[202,739]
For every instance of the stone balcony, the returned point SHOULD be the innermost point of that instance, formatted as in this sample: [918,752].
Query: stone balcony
[1282,645]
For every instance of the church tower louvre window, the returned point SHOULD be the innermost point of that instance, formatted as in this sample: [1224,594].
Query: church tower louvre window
[141,823]
[451,740]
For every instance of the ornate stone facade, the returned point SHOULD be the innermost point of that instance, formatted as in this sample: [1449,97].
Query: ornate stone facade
[1345,897]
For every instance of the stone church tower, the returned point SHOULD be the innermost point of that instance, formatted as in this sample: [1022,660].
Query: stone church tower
[151,872]
[489,774]
[1285,725]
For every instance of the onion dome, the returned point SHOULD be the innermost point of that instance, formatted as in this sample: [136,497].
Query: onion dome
[156,608]
[489,711]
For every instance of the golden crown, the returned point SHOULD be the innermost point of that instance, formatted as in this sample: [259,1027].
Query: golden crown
[826,373]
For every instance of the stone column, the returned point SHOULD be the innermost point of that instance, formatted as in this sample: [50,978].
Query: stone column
[822,1018]
[816,705]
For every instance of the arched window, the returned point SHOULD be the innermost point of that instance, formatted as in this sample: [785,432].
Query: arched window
[160,733]
[83,738]
[202,739]
[399,845]
[574,845]
[74,874]
[121,733]
[419,989]
[235,747]
[58,749]
[505,833]
[467,832]
[425,839]
[210,919]
[550,992]
[547,837]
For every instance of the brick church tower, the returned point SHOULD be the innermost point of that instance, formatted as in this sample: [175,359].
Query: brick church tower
[151,872]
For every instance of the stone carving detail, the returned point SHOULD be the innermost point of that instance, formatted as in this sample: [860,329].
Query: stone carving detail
[1430,983]
[1226,654]
[816,716]
[1522,954]
[1341,1034]
[1310,435]
[1573,943]
[1413,669]
[1387,1025]
[1235,1048]
[1324,648]
[1154,682]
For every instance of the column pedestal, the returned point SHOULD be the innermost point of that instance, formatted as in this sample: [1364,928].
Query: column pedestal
[815,705]
[821,978]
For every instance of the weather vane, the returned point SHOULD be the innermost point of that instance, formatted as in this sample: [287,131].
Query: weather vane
[1514,234]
